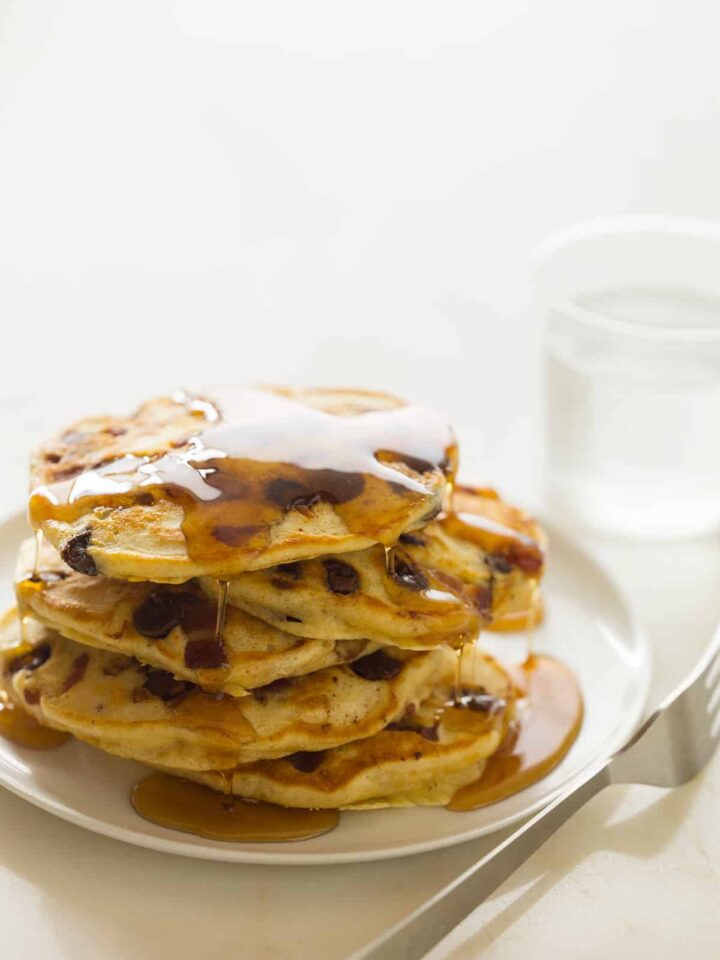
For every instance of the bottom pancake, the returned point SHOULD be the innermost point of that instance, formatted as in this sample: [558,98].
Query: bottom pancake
[420,760]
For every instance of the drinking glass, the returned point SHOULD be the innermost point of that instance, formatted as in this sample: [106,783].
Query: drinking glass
[632,374]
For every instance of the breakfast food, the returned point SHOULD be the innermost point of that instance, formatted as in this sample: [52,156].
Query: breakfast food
[275,593]
[443,581]
[171,627]
[251,479]
[124,707]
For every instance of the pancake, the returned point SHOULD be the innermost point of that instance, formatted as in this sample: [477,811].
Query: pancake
[237,480]
[422,761]
[172,627]
[477,566]
[115,703]
[355,597]
[487,544]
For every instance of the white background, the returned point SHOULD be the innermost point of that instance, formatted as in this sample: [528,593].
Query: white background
[325,192]
[195,192]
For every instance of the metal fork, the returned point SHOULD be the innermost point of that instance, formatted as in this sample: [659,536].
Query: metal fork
[669,749]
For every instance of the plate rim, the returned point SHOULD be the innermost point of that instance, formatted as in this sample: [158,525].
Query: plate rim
[241,854]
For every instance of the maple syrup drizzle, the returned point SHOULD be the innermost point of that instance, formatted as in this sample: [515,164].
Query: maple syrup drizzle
[549,720]
[457,684]
[21,728]
[222,599]
[266,456]
[472,517]
[494,538]
[193,808]
[38,550]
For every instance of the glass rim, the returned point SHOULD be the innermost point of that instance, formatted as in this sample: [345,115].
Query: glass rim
[624,225]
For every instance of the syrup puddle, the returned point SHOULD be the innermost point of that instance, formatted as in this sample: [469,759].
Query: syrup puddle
[19,727]
[193,808]
[550,717]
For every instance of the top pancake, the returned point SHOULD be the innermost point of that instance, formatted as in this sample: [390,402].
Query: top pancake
[240,479]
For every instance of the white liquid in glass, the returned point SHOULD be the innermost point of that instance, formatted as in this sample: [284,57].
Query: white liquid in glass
[633,424]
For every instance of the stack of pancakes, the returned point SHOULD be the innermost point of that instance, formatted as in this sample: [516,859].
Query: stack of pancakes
[274,592]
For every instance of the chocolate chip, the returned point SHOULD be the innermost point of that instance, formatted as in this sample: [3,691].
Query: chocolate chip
[164,686]
[281,584]
[413,540]
[482,599]
[529,559]
[262,694]
[341,577]
[293,619]
[53,457]
[75,554]
[336,486]
[306,761]
[32,696]
[160,613]
[328,486]
[144,500]
[140,694]
[282,491]
[77,672]
[31,660]
[377,666]
[527,556]
[235,536]
[292,570]
[427,733]
[408,575]
[498,563]
[205,654]
[305,503]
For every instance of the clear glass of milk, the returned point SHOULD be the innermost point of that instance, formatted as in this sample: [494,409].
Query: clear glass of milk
[632,374]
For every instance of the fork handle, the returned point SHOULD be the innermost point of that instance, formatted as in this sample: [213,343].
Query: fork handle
[421,930]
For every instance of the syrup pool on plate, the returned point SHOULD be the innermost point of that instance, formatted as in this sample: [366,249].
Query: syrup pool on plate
[550,714]
[193,808]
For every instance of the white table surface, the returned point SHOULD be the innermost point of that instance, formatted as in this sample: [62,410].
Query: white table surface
[345,193]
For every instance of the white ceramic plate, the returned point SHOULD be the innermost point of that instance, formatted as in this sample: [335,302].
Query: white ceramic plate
[589,625]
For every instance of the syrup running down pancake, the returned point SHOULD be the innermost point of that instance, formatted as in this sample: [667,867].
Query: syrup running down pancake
[172,627]
[478,566]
